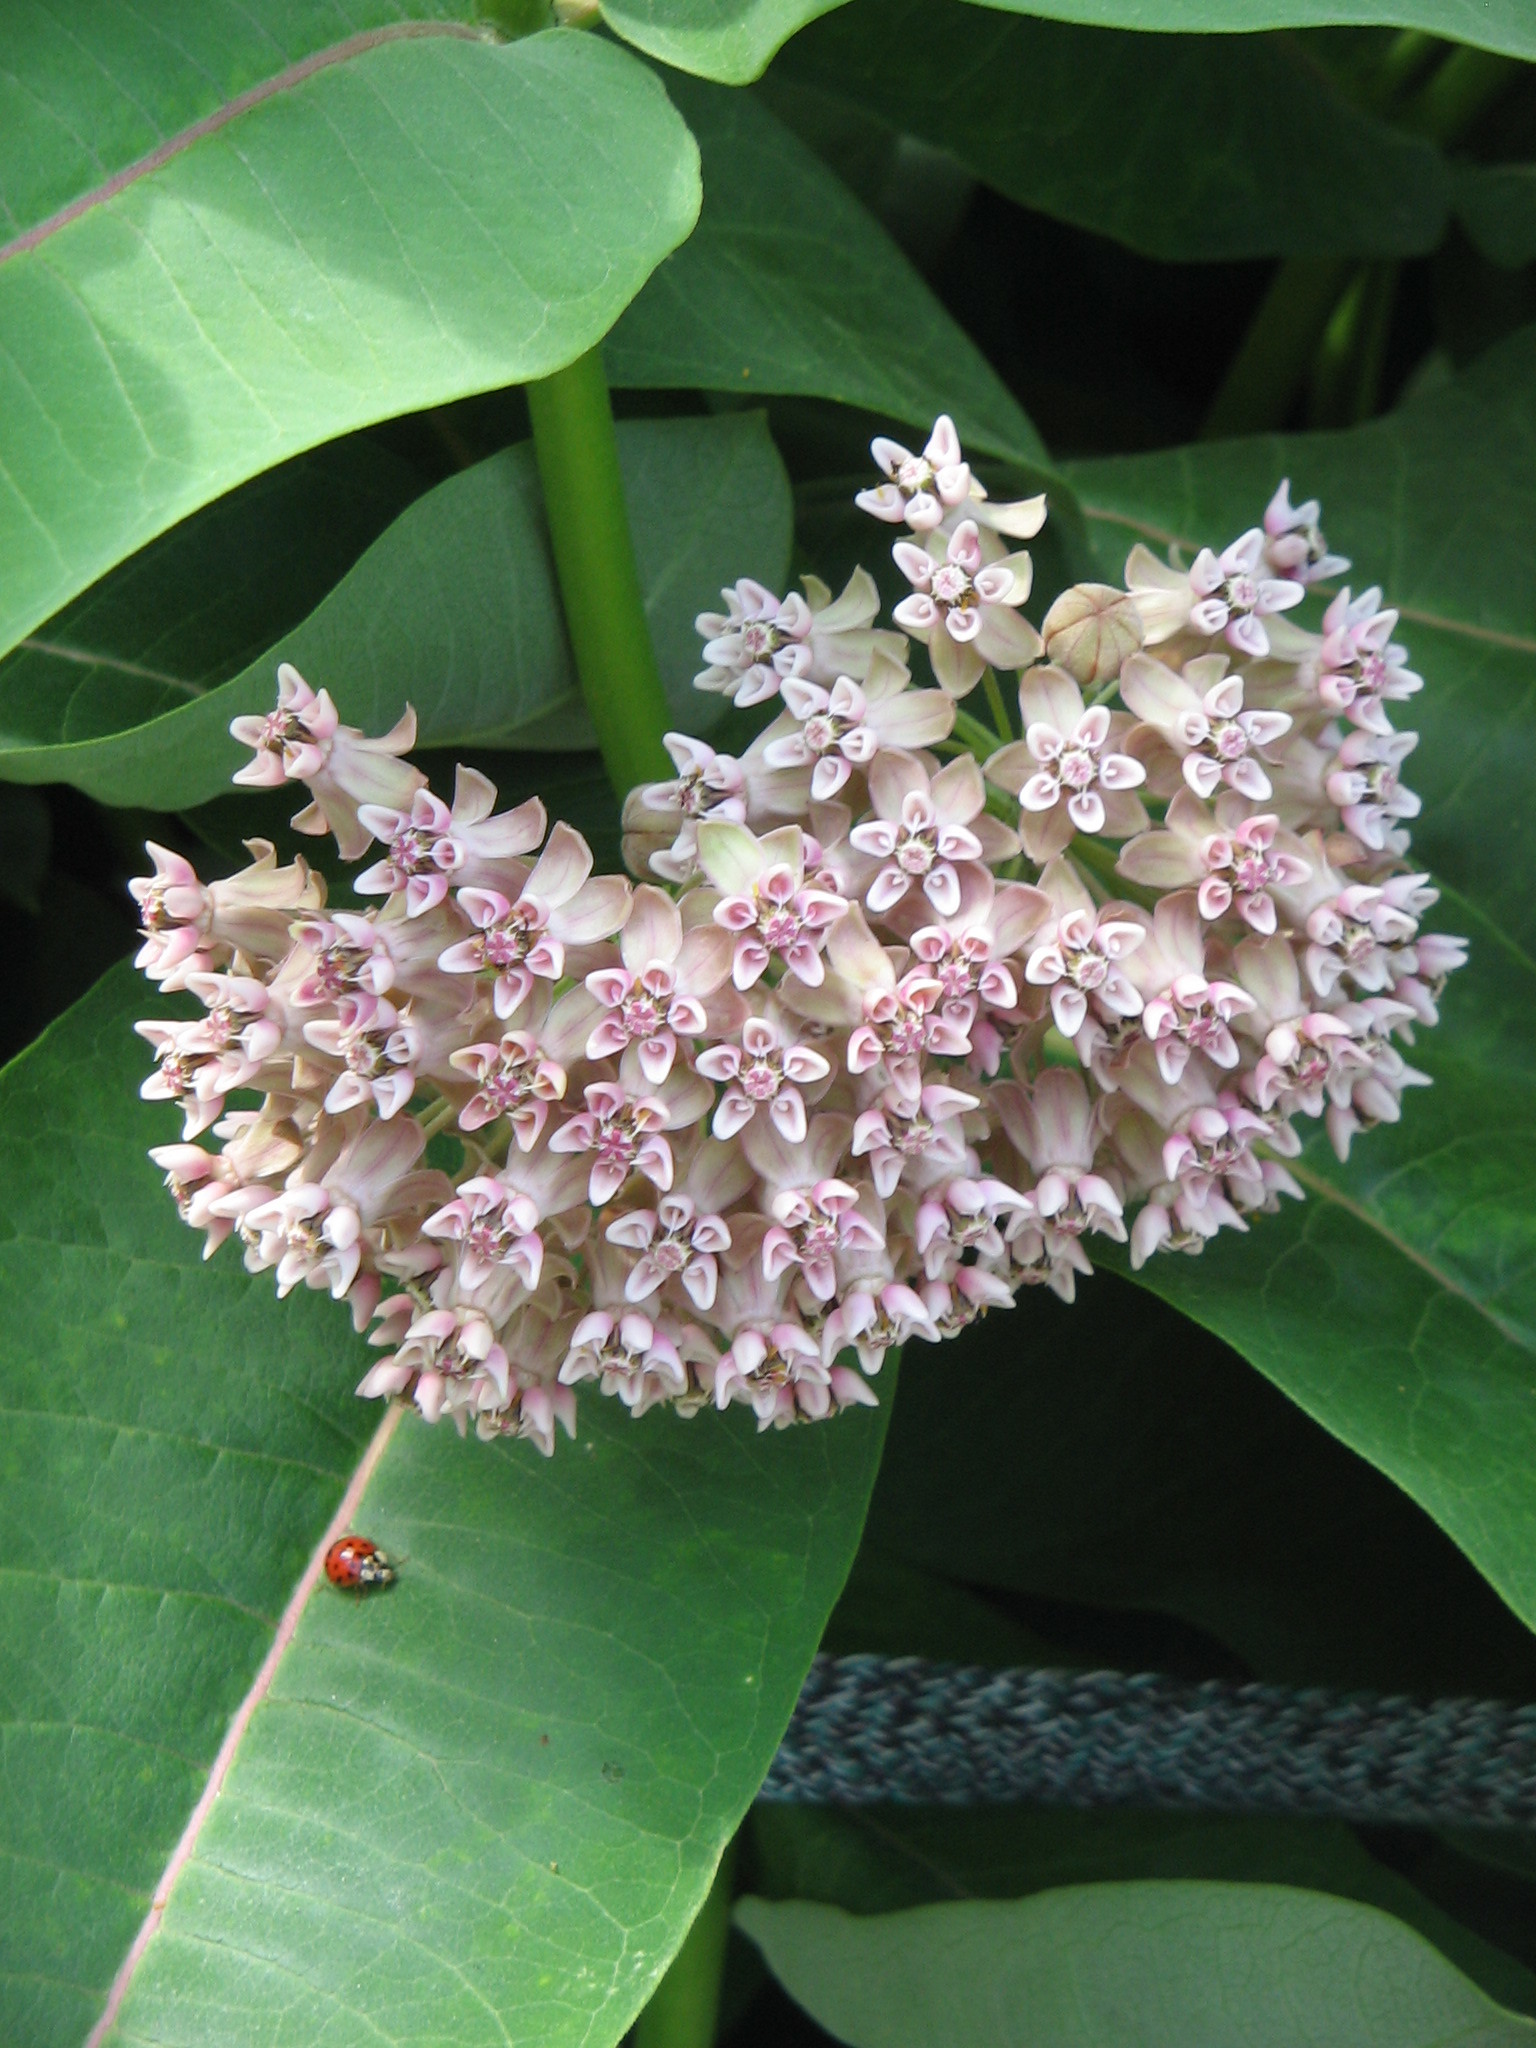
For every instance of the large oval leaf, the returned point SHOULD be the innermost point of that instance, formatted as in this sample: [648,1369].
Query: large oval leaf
[789,285]
[387,224]
[733,39]
[484,1807]
[1207,130]
[454,608]
[1491,24]
[1399,1304]
[726,39]
[1174,1965]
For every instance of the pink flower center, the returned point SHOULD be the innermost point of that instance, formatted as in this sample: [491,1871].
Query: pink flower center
[760,640]
[916,851]
[951,586]
[761,1079]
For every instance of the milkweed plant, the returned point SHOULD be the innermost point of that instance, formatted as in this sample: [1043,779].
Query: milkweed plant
[830,1005]
[901,1011]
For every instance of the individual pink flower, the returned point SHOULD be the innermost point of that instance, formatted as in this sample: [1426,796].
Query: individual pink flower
[901,1131]
[684,1236]
[1419,972]
[1356,930]
[1077,956]
[972,954]
[346,953]
[923,827]
[833,731]
[965,1214]
[189,925]
[1199,717]
[661,818]
[895,1019]
[382,1051]
[187,1072]
[558,907]
[1294,546]
[773,1365]
[245,1026]
[871,1319]
[1184,1012]
[195,1179]
[343,1194]
[494,1228]
[1366,785]
[1068,772]
[1369,1091]
[1360,669]
[954,1304]
[965,609]
[513,1078]
[1055,1127]
[304,740]
[766,903]
[443,1351]
[622,1129]
[1227,594]
[1303,1048]
[768,1070]
[1237,859]
[431,846]
[661,990]
[927,490]
[634,1356]
[816,1215]
[760,640]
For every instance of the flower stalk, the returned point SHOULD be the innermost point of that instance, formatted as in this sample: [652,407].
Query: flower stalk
[578,457]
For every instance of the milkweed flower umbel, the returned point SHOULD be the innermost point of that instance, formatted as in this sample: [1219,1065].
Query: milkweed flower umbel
[893,1018]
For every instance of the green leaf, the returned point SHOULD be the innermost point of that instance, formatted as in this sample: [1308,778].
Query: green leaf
[1505,25]
[1398,1305]
[730,40]
[789,286]
[454,608]
[391,223]
[892,1858]
[1207,131]
[202,602]
[1171,1965]
[397,1850]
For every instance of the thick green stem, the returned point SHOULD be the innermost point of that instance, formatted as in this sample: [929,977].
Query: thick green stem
[1276,354]
[578,457]
[685,2004]
[1467,82]
[1346,378]
[996,705]
[975,737]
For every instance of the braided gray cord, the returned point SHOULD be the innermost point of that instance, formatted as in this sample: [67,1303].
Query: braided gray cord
[899,1730]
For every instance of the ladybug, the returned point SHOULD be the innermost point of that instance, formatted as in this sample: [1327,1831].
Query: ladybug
[358,1565]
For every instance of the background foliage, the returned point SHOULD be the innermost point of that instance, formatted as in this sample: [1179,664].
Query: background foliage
[271,277]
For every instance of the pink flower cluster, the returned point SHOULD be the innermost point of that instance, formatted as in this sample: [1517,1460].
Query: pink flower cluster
[899,1013]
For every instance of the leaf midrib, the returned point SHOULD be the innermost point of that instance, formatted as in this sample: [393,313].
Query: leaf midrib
[197,131]
[1330,1191]
[185,1847]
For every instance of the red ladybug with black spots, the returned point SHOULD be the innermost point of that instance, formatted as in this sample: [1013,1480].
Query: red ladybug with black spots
[357,1565]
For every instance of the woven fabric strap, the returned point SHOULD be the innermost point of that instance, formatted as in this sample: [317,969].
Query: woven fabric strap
[871,1730]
